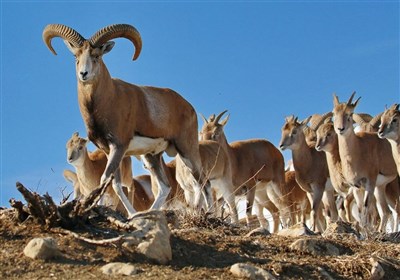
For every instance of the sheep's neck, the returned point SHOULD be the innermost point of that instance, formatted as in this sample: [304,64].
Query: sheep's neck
[348,147]
[335,167]
[87,175]
[333,156]
[95,97]
[302,156]
[396,152]
[93,90]
[227,149]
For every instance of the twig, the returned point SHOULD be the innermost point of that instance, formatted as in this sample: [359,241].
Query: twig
[113,219]
[53,215]
[22,215]
[65,197]
[87,204]
[88,240]
[34,203]
[251,178]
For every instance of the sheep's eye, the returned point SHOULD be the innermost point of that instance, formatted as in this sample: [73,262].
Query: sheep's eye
[394,120]
[294,132]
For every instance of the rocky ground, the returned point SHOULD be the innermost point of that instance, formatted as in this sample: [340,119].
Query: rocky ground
[202,248]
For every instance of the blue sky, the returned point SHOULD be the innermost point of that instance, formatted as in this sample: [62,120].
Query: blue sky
[260,60]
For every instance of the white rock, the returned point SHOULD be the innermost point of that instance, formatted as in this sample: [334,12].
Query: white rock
[297,230]
[243,270]
[341,230]
[316,247]
[260,231]
[119,268]
[42,248]
[377,271]
[152,236]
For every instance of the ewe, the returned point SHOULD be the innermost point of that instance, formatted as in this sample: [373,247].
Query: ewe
[310,168]
[254,164]
[366,160]
[90,166]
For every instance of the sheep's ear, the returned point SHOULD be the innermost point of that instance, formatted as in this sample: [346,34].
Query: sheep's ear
[107,47]
[70,46]
[70,176]
[211,118]
[335,100]
[204,119]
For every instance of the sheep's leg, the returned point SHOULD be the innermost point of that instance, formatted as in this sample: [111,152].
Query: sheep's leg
[229,198]
[181,177]
[274,211]
[359,196]
[207,195]
[317,192]
[396,214]
[347,205]
[250,195]
[275,196]
[305,205]
[393,196]
[395,208]
[190,155]
[340,207]
[201,185]
[382,205]
[153,164]
[368,208]
[329,195]
[114,159]
[262,200]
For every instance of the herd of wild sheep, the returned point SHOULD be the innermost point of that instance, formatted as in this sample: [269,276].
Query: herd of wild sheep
[354,174]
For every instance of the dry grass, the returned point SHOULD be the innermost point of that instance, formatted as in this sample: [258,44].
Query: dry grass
[203,248]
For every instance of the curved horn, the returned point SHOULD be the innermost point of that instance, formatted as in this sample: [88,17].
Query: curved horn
[364,116]
[375,122]
[310,134]
[351,98]
[360,119]
[317,120]
[349,103]
[219,116]
[118,31]
[63,31]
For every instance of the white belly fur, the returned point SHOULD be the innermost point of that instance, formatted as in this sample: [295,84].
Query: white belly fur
[380,180]
[140,145]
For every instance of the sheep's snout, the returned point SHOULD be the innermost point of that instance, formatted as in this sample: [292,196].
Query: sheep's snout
[83,75]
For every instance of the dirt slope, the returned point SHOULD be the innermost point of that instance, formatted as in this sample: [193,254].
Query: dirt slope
[202,248]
